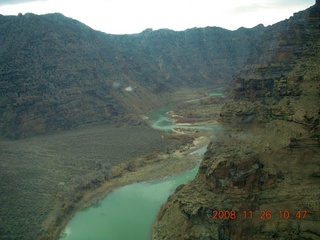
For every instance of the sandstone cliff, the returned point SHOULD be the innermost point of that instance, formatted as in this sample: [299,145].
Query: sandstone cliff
[263,174]
[56,73]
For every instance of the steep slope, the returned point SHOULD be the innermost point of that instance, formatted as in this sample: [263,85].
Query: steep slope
[56,73]
[260,179]
[194,56]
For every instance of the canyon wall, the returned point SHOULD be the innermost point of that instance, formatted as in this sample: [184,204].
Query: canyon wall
[260,177]
[56,73]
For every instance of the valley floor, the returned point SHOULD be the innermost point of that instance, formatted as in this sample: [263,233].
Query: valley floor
[50,175]
[46,179]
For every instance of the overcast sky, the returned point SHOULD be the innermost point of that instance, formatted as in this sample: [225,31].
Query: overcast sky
[133,16]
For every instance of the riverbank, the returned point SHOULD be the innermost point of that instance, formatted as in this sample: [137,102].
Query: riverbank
[48,178]
[157,167]
[203,112]
[42,178]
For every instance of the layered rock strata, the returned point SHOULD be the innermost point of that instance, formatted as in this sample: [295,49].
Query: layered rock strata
[260,179]
[56,73]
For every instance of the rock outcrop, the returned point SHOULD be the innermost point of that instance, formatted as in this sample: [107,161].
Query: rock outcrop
[260,179]
[56,73]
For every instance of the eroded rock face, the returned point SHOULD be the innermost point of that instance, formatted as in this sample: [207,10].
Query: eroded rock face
[56,73]
[254,178]
[262,174]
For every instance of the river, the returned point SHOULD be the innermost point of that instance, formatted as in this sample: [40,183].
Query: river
[129,212]
[126,213]
[158,119]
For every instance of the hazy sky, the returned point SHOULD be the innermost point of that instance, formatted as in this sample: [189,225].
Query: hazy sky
[133,16]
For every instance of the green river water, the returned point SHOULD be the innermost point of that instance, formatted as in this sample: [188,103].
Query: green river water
[128,213]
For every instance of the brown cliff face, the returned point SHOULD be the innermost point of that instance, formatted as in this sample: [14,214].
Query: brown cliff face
[265,170]
[56,73]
